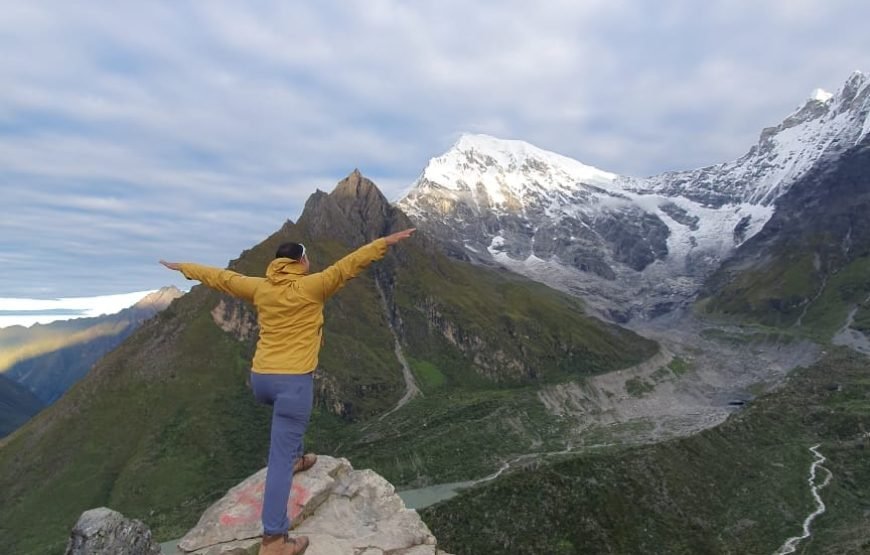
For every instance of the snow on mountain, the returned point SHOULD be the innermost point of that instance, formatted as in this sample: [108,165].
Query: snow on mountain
[821,95]
[506,169]
[630,246]
[825,126]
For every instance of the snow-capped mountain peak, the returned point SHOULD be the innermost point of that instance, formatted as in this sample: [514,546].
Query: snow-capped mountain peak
[513,155]
[636,245]
[501,173]
[821,129]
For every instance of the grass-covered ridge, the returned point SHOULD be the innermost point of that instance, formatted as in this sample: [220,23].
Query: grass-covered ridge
[445,436]
[817,306]
[155,431]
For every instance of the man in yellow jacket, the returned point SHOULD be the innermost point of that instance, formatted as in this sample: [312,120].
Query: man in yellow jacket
[289,303]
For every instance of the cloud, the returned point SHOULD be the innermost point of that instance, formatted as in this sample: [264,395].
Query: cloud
[192,130]
[26,312]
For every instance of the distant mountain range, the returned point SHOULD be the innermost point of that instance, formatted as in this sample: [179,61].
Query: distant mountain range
[630,247]
[47,359]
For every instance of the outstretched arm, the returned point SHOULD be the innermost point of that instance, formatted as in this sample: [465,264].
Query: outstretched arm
[225,281]
[337,275]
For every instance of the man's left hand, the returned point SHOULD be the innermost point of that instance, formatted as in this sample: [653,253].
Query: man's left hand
[172,265]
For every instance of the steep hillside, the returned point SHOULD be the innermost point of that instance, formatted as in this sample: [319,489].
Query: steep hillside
[165,423]
[17,405]
[48,359]
[738,488]
[810,265]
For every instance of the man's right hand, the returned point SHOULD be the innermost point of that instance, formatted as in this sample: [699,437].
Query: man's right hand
[399,235]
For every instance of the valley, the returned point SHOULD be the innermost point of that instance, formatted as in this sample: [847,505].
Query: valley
[703,374]
[740,487]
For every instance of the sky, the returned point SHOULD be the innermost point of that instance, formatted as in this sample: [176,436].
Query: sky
[190,131]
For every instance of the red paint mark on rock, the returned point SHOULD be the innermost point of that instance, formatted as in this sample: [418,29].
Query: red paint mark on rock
[299,497]
[246,506]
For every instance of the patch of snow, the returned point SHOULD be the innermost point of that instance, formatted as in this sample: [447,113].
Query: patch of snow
[821,95]
[495,246]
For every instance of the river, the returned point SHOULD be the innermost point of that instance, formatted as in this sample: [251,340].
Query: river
[790,545]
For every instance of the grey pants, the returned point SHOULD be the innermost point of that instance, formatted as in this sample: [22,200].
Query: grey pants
[291,397]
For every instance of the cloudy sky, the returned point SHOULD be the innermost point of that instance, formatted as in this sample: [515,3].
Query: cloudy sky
[131,131]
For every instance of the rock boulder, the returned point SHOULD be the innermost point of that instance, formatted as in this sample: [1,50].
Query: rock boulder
[343,511]
[103,530]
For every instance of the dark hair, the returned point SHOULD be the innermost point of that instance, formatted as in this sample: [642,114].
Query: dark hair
[293,251]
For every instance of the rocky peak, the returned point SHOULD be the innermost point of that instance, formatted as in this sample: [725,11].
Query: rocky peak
[363,204]
[354,212]
[160,299]
[854,91]
[356,186]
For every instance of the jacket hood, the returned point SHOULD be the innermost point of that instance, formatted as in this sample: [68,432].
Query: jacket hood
[283,270]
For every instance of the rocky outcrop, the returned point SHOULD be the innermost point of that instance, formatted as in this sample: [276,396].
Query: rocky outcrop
[236,318]
[341,510]
[158,300]
[106,531]
[490,361]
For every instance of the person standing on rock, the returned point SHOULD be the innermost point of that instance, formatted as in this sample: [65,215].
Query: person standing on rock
[289,303]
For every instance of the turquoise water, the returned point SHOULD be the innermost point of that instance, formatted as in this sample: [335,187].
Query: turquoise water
[170,548]
[423,497]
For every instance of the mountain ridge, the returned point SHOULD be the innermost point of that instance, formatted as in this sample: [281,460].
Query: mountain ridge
[631,247]
[48,358]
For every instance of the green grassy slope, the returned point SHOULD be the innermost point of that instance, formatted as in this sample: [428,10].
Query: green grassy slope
[738,488]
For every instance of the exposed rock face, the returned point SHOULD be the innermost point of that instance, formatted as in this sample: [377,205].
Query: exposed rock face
[341,510]
[106,531]
[236,318]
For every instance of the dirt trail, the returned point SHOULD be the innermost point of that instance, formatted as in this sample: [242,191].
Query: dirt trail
[411,387]
[852,338]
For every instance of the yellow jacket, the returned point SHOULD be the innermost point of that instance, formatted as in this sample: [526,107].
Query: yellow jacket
[289,304]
